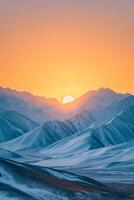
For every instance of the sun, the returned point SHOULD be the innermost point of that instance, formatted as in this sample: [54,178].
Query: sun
[67,99]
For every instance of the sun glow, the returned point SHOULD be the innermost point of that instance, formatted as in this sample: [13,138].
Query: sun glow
[67,99]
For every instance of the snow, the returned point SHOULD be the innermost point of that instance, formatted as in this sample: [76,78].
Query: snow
[41,136]
[89,156]
[13,124]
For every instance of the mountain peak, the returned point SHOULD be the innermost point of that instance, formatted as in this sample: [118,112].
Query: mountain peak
[103,89]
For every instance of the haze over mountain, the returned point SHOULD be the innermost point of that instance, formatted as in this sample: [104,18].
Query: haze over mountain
[37,108]
[42,109]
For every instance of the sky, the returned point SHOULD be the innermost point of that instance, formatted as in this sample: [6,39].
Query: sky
[67,47]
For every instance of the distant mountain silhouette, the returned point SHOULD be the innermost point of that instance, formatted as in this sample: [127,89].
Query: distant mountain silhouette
[41,109]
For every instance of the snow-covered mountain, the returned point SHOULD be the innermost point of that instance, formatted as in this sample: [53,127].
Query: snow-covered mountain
[99,115]
[65,140]
[41,137]
[102,97]
[41,109]
[36,108]
[97,120]
[87,156]
[13,124]
[118,130]
[26,182]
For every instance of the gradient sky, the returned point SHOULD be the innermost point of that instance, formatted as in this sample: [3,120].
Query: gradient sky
[59,47]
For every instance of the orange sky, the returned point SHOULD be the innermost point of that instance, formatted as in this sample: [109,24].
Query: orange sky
[56,47]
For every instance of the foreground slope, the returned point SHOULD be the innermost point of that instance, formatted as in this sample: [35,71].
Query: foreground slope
[27,182]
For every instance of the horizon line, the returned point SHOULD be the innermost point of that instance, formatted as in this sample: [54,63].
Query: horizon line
[57,99]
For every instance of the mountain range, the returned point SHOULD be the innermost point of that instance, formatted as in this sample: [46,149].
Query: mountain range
[41,109]
[80,150]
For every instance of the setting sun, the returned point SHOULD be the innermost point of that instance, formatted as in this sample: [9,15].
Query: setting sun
[67,99]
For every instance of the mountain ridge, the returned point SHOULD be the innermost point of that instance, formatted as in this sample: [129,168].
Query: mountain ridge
[42,109]
[13,124]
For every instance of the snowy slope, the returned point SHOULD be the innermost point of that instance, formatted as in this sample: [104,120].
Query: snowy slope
[13,124]
[116,131]
[21,181]
[54,161]
[117,157]
[27,182]
[83,120]
[41,137]
[100,114]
